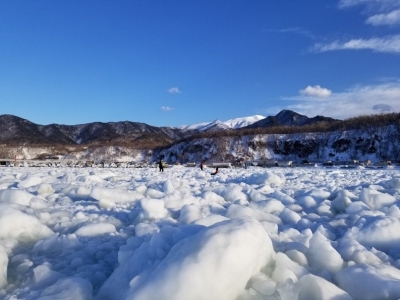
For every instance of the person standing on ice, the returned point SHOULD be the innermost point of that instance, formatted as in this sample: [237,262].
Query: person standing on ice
[202,165]
[161,165]
[216,171]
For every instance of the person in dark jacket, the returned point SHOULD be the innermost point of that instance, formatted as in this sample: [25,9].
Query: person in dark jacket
[202,165]
[216,172]
[161,165]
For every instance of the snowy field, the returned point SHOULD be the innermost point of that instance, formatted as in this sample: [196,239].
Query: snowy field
[246,234]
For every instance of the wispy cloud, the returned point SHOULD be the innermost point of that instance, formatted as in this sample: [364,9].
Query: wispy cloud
[166,108]
[316,91]
[371,4]
[359,100]
[391,18]
[174,90]
[388,44]
[381,12]
[295,30]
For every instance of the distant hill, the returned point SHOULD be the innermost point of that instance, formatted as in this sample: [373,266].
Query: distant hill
[17,131]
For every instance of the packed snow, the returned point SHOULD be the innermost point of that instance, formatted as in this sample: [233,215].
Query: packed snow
[245,234]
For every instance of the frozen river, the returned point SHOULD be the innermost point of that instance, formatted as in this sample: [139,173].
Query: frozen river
[247,234]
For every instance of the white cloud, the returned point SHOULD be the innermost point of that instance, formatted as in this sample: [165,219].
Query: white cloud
[380,12]
[389,44]
[295,30]
[371,4]
[391,18]
[174,90]
[360,100]
[166,108]
[316,91]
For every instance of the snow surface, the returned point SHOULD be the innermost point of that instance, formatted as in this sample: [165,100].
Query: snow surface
[245,234]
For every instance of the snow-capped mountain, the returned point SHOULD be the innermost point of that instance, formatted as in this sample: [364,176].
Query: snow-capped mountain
[243,122]
[218,125]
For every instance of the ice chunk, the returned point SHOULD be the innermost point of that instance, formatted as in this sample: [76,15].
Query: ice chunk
[57,243]
[368,282]
[322,256]
[281,274]
[43,275]
[325,232]
[106,203]
[317,288]
[168,187]
[340,203]
[380,232]
[287,290]
[116,195]
[246,248]
[29,181]
[15,196]
[357,208]
[88,178]
[289,217]
[76,263]
[393,183]
[156,194]
[266,178]
[18,225]
[68,288]
[144,228]
[141,189]
[213,197]
[307,202]
[269,206]
[235,193]
[270,228]
[284,198]
[103,174]
[3,267]
[351,250]
[375,199]
[342,193]
[190,213]
[153,209]
[38,203]
[178,199]
[95,229]
[282,260]
[211,220]
[297,256]
[263,285]
[238,211]
[216,263]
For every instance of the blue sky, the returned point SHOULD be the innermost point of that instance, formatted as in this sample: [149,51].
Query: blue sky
[176,62]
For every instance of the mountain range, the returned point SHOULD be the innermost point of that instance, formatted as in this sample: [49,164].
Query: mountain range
[18,131]
[218,125]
